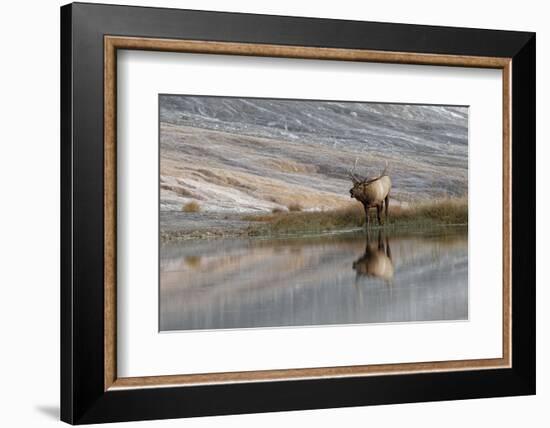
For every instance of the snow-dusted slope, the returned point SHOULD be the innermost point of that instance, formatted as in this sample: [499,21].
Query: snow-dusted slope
[241,155]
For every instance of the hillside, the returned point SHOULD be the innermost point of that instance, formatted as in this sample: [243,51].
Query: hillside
[253,155]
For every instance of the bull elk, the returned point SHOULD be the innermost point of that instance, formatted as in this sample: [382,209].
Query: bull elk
[376,261]
[371,192]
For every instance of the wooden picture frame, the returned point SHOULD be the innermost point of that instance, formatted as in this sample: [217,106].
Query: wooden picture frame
[91,390]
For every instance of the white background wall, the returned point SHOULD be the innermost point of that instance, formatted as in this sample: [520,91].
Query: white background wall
[29,214]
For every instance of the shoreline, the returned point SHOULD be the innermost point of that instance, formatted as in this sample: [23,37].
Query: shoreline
[259,234]
[207,225]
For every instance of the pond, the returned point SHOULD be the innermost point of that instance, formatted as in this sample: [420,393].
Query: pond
[341,278]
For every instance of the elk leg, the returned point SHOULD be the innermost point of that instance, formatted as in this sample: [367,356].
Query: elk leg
[367,217]
[387,204]
[368,242]
[378,209]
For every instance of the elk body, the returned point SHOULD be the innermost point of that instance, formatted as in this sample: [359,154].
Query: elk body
[372,193]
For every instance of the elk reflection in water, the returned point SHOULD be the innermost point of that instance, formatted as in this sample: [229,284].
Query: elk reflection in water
[335,279]
[376,260]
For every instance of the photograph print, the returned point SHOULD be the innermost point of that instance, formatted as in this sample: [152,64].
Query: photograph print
[294,213]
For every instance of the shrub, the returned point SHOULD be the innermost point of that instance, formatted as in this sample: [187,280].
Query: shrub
[294,207]
[191,207]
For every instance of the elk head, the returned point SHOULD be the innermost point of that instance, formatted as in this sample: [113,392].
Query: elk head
[359,182]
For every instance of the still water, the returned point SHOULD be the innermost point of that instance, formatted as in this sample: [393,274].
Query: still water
[349,278]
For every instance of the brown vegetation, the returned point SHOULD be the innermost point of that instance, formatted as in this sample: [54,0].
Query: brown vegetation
[191,207]
[294,207]
[426,214]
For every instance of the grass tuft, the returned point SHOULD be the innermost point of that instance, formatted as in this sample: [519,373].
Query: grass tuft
[191,207]
[294,207]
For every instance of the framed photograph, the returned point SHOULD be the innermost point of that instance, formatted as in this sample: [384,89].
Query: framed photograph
[265,213]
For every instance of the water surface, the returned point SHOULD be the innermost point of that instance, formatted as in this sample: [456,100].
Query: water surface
[347,278]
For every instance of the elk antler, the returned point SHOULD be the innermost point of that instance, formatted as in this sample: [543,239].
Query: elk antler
[359,179]
[382,174]
[385,170]
[352,175]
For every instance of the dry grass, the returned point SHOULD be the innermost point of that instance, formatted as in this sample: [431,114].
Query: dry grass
[179,190]
[191,207]
[295,221]
[440,212]
[443,211]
